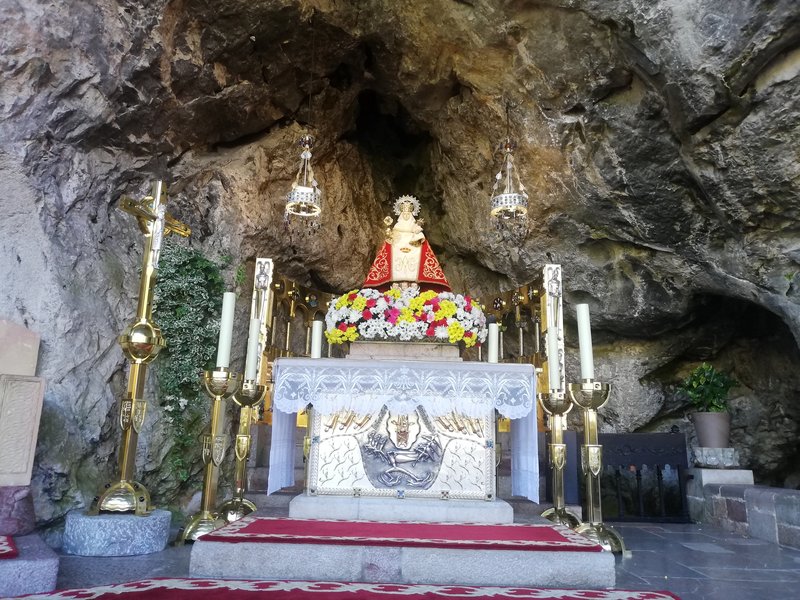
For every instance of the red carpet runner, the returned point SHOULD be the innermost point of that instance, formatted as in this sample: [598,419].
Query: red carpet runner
[7,547]
[420,535]
[215,589]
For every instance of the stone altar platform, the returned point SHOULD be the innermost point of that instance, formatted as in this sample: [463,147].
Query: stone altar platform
[575,563]
[305,506]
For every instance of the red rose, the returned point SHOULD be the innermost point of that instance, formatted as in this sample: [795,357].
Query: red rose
[371,302]
[352,296]
[467,334]
[431,330]
[366,315]
[342,327]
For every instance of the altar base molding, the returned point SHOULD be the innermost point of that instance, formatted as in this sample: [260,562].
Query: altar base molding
[408,509]
[116,534]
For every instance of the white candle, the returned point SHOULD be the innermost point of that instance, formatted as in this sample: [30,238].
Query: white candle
[251,363]
[226,330]
[553,365]
[317,327]
[493,354]
[585,342]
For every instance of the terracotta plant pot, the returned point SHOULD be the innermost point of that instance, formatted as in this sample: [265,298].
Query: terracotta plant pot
[713,429]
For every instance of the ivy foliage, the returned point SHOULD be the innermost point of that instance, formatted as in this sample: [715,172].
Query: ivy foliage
[186,306]
[708,388]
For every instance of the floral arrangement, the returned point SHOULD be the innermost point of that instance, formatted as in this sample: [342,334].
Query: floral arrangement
[408,314]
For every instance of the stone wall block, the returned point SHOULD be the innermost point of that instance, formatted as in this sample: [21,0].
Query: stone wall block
[20,409]
[736,510]
[787,507]
[16,510]
[788,535]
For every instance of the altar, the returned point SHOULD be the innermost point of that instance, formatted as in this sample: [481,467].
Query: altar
[388,426]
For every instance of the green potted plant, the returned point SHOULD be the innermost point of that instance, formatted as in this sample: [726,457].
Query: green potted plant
[707,389]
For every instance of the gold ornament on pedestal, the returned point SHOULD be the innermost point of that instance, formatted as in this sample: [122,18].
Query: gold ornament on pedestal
[591,395]
[220,384]
[141,342]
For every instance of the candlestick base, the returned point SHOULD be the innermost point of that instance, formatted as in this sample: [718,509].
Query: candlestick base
[200,524]
[605,536]
[123,497]
[562,516]
[236,508]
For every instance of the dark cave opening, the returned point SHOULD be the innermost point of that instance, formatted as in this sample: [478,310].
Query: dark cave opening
[396,145]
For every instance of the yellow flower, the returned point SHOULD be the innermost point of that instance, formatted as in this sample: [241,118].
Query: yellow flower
[456,332]
[360,303]
[447,309]
[351,335]
[416,304]
[341,302]
[334,336]
[429,295]
[394,293]
[469,342]
[406,315]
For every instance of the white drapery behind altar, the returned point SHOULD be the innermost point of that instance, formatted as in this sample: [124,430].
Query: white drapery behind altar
[363,386]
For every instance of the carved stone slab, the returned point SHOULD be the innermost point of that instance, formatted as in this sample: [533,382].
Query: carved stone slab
[20,409]
[19,349]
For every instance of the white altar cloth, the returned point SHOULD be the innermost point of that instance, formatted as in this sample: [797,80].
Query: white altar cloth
[440,387]
[364,386]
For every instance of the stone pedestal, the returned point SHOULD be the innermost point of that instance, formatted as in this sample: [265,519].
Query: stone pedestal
[116,535]
[16,510]
[407,509]
[715,458]
[698,478]
[34,571]
[403,351]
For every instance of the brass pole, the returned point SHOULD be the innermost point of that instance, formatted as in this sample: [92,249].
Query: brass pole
[220,384]
[557,405]
[141,342]
[591,395]
[247,398]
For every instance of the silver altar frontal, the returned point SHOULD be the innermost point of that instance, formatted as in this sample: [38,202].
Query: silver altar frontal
[386,425]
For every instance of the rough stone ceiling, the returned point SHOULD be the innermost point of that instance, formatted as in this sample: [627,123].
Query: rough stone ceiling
[658,139]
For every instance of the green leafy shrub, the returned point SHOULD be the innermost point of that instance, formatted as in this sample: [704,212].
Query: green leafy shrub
[708,388]
[186,306]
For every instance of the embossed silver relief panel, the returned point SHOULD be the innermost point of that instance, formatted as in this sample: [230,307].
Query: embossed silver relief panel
[402,455]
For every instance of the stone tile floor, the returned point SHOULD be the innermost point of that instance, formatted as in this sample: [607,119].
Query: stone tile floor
[695,562]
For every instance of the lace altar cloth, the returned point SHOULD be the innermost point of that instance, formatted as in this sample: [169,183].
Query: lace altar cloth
[363,386]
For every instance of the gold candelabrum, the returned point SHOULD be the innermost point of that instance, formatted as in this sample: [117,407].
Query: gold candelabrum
[591,395]
[556,404]
[220,384]
[248,397]
[141,342]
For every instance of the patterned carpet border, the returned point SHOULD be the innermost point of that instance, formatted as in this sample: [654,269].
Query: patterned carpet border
[212,589]
[7,547]
[472,536]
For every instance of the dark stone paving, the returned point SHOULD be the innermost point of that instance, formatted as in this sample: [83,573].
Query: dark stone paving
[695,562]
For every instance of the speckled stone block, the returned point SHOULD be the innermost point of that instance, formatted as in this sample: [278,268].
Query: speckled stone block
[16,510]
[116,535]
[34,571]
[321,562]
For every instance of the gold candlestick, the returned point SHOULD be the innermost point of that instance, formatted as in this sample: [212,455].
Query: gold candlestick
[220,384]
[247,398]
[141,342]
[591,395]
[557,405]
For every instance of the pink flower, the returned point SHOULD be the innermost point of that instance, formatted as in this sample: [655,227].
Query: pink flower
[392,314]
